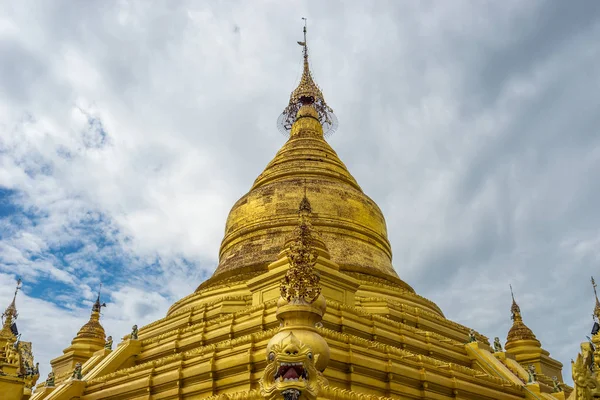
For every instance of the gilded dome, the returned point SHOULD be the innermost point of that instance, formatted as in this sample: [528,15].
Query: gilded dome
[519,331]
[349,222]
[92,329]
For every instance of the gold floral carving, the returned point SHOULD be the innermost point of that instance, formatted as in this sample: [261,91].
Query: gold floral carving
[301,281]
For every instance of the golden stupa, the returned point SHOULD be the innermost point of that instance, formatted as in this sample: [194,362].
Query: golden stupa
[305,304]
[18,374]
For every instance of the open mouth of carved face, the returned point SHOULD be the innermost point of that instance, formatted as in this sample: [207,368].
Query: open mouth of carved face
[291,372]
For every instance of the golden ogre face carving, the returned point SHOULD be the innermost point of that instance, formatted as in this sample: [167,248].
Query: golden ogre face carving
[290,372]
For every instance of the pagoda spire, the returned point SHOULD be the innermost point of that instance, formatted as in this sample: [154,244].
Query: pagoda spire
[10,314]
[97,305]
[596,314]
[90,338]
[518,331]
[93,329]
[307,93]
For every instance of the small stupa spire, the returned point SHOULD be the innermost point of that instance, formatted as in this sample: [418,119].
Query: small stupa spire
[92,328]
[596,314]
[518,331]
[97,305]
[307,93]
[514,308]
[10,314]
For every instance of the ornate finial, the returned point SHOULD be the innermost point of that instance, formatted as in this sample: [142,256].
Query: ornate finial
[304,43]
[301,282]
[518,331]
[97,305]
[19,282]
[596,314]
[10,314]
[514,309]
[307,94]
[93,328]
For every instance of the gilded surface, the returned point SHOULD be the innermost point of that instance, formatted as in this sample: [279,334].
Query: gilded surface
[585,374]
[290,369]
[16,357]
[307,92]
[349,221]
[597,305]
[92,328]
[344,314]
[519,331]
[301,282]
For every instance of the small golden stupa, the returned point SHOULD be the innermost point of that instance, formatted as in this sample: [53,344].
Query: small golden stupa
[305,304]
[18,374]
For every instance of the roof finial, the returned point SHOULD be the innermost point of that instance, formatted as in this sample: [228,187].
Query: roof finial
[12,306]
[307,94]
[97,305]
[518,331]
[304,43]
[10,314]
[511,292]
[514,309]
[596,314]
[19,283]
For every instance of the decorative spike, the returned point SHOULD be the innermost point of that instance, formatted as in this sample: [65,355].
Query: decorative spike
[307,93]
[514,309]
[97,305]
[596,314]
[9,328]
[11,310]
[518,331]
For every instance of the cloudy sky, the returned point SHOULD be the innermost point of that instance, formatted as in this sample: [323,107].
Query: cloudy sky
[128,130]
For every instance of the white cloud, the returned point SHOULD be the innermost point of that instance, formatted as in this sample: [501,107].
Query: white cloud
[127,133]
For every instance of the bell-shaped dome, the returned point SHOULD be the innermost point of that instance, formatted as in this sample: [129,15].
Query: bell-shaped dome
[350,223]
[519,332]
[92,330]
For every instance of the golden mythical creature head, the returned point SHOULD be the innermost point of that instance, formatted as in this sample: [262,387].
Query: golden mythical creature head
[290,372]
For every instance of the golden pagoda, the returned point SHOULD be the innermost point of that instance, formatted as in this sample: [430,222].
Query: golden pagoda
[18,374]
[305,304]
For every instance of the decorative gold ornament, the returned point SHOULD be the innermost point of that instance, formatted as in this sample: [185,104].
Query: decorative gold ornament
[597,306]
[307,93]
[587,384]
[9,316]
[92,329]
[301,282]
[518,331]
[290,372]
[384,341]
